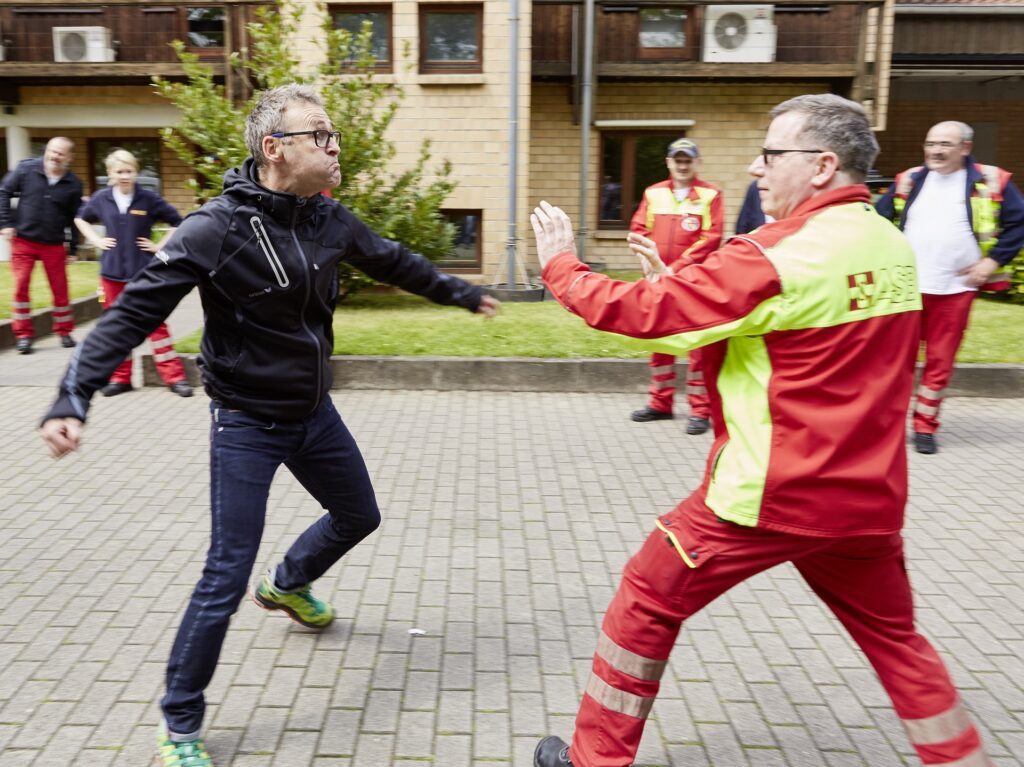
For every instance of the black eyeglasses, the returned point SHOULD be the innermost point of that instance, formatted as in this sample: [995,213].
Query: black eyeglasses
[941,144]
[320,137]
[766,153]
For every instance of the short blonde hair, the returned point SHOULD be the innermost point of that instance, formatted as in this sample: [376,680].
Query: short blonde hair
[121,155]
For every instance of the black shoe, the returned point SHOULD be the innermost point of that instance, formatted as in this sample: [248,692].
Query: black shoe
[552,752]
[925,443]
[23,345]
[68,342]
[650,414]
[113,389]
[181,388]
[697,425]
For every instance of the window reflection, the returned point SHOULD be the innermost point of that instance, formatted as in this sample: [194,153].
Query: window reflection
[205,27]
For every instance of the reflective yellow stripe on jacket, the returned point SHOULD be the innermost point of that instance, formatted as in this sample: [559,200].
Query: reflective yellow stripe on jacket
[662,202]
[984,209]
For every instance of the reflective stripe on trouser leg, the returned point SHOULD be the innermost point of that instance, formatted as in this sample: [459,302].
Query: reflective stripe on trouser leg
[949,739]
[696,388]
[864,582]
[663,382]
[22,262]
[943,323]
[111,290]
[54,258]
[168,364]
[926,409]
[637,635]
[615,706]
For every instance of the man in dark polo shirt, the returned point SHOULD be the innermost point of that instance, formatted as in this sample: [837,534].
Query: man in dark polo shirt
[49,196]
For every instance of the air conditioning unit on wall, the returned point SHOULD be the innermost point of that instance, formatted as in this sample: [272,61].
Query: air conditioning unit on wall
[744,33]
[82,44]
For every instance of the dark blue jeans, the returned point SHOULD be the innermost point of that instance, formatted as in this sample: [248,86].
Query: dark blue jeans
[245,452]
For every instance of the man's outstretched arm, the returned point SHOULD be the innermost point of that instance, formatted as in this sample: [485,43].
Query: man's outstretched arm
[728,294]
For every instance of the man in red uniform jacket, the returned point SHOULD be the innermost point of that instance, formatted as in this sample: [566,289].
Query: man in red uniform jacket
[684,216]
[810,328]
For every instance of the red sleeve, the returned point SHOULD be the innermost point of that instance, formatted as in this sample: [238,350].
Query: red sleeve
[725,288]
[639,222]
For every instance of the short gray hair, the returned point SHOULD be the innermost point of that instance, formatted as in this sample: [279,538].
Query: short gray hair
[836,125]
[265,117]
[966,131]
[64,139]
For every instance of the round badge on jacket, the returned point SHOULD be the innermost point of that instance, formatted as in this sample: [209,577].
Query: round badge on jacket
[691,223]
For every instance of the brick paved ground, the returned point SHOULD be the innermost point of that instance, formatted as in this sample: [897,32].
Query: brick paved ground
[507,520]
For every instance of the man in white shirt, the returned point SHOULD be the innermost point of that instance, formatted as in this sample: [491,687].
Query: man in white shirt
[964,221]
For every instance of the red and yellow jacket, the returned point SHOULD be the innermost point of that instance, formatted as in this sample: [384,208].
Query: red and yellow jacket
[686,231]
[814,322]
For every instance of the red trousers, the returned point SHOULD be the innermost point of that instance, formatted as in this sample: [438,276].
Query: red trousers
[24,254]
[943,323]
[862,580]
[663,384]
[168,363]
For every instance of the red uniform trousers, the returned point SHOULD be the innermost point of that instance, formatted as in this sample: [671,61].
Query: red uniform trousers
[24,254]
[168,363]
[862,580]
[943,323]
[663,384]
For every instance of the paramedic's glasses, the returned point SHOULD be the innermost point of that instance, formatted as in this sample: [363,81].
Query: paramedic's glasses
[320,137]
[768,154]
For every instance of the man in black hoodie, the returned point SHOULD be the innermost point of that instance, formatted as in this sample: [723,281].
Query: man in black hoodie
[264,256]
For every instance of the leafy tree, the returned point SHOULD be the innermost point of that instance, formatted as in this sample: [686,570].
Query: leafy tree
[209,137]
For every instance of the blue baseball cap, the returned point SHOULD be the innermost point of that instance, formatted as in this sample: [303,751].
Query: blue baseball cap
[683,146]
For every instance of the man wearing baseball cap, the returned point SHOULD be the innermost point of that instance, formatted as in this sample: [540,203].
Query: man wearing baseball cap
[684,216]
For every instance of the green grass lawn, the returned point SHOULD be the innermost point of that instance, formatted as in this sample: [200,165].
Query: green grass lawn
[373,324]
[408,325]
[83,279]
[995,333]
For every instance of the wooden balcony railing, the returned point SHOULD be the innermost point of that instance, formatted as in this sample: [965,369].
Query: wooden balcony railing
[138,36]
[830,36]
[972,40]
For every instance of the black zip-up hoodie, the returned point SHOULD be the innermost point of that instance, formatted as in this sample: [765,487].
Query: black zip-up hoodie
[266,266]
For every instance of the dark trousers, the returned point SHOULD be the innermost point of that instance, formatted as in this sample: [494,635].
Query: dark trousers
[245,452]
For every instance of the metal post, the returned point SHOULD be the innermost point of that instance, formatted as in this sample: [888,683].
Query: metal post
[586,118]
[513,140]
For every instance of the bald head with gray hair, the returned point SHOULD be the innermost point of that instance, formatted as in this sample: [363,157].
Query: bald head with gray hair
[268,114]
[965,130]
[836,125]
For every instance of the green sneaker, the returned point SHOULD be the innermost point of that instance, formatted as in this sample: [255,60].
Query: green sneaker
[186,753]
[301,606]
